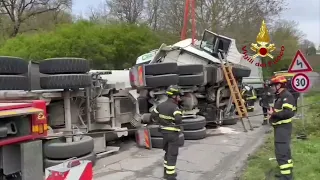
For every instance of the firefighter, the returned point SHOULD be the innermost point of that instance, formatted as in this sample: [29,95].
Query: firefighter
[266,100]
[249,96]
[281,118]
[169,116]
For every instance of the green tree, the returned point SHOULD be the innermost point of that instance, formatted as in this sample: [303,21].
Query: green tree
[112,46]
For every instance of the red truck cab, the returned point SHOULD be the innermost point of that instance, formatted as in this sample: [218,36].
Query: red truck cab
[22,126]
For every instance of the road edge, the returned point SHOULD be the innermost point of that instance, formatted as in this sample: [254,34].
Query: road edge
[244,164]
[238,161]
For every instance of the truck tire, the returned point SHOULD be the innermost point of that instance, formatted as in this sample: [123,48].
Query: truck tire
[191,80]
[52,162]
[230,122]
[160,68]
[240,71]
[60,149]
[65,81]
[195,134]
[13,65]
[13,82]
[67,65]
[198,122]
[190,69]
[157,142]
[154,130]
[162,80]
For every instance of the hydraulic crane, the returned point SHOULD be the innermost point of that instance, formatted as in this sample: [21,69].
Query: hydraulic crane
[186,20]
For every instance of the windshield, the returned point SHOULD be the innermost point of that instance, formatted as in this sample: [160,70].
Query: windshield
[213,43]
[207,42]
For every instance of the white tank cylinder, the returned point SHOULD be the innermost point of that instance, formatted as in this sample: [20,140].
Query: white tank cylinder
[103,111]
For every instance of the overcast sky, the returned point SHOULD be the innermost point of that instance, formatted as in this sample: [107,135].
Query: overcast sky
[305,12]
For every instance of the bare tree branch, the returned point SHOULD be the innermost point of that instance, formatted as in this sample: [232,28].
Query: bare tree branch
[126,10]
[21,10]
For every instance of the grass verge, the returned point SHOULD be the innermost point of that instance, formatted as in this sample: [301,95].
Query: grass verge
[306,153]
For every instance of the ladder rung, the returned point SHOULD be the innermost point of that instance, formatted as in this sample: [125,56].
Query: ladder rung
[234,90]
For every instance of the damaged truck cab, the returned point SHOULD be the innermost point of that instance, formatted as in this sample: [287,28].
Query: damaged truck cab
[197,70]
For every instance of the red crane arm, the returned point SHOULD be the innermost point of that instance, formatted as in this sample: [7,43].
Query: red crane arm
[185,20]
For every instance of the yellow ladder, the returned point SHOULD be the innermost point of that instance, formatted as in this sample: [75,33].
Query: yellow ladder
[235,92]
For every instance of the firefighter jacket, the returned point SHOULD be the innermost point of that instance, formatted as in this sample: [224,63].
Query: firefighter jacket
[267,97]
[168,115]
[248,93]
[284,108]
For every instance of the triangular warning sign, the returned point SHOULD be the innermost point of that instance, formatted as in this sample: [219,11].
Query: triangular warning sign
[299,64]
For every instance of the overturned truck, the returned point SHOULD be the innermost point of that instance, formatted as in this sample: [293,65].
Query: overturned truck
[197,70]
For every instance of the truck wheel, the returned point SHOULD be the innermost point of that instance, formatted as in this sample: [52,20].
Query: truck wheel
[241,71]
[13,82]
[190,69]
[52,162]
[198,122]
[157,142]
[195,134]
[13,65]
[162,80]
[65,81]
[230,122]
[65,65]
[191,80]
[160,68]
[60,149]
[154,130]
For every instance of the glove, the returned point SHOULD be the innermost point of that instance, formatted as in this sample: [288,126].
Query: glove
[181,129]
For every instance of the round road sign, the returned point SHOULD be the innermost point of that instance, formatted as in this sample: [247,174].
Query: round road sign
[300,82]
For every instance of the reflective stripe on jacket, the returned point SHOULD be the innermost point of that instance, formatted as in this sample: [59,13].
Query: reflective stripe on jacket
[169,115]
[284,108]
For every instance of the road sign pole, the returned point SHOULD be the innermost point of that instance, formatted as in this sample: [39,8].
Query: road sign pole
[302,111]
[301,83]
[302,135]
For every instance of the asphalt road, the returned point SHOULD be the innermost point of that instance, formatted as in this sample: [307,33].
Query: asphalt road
[220,156]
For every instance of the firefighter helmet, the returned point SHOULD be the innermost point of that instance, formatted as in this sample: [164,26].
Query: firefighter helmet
[278,80]
[173,90]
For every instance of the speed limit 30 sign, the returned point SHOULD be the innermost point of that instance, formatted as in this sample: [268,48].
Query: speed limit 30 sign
[300,82]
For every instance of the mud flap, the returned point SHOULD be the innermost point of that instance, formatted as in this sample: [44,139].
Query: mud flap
[143,138]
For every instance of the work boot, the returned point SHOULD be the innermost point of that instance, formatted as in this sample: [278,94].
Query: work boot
[264,123]
[277,175]
[170,176]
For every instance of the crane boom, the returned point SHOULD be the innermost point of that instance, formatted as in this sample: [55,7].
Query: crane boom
[185,20]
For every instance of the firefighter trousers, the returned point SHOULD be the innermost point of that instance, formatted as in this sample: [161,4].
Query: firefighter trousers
[250,103]
[282,142]
[171,148]
[265,113]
